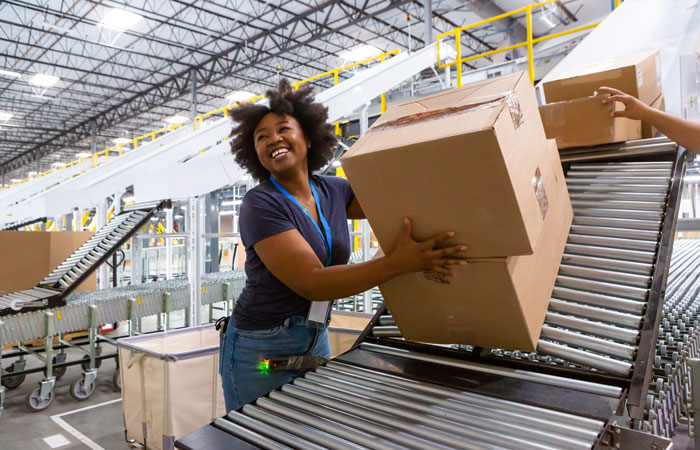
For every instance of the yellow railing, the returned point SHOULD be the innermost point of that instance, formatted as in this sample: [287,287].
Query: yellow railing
[459,60]
[200,119]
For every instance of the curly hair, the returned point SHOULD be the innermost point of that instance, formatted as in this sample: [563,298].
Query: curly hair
[299,104]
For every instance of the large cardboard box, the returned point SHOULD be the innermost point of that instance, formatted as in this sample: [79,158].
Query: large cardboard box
[26,257]
[562,122]
[499,302]
[638,74]
[648,130]
[461,160]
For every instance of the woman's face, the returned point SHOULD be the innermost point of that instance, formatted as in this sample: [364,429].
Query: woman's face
[280,144]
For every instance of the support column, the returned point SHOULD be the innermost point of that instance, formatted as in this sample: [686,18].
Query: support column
[195,257]
[211,225]
[367,295]
[428,18]
[193,93]
[93,137]
[100,221]
[169,244]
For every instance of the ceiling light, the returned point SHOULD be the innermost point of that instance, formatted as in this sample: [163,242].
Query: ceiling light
[176,119]
[43,80]
[15,180]
[336,163]
[359,53]
[6,116]
[83,155]
[240,96]
[9,73]
[120,19]
[121,140]
[58,164]
[32,173]
[128,199]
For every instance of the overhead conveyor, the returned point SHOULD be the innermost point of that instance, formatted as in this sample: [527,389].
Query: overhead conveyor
[586,386]
[64,279]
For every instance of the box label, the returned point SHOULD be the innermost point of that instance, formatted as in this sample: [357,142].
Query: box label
[540,192]
[640,78]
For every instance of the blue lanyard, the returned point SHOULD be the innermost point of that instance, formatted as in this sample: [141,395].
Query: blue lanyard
[327,240]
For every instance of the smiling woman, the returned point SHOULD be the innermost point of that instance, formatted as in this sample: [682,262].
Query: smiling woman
[294,229]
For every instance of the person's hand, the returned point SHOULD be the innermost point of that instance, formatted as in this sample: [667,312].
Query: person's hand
[413,256]
[634,108]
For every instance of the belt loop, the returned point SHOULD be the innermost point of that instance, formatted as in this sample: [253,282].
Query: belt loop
[287,322]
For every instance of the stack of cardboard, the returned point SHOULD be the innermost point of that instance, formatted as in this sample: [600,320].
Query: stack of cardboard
[474,160]
[575,116]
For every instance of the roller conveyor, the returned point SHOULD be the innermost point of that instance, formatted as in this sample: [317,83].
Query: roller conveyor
[590,372]
[56,286]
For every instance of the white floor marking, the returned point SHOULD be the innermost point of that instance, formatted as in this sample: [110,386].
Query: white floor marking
[75,433]
[57,440]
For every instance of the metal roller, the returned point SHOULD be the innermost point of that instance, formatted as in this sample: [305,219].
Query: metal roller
[588,343]
[619,204]
[248,435]
[619,213]
[661,189]
[643,165]
[640,281]
[627,224]
[607,171]
[583,386]
[612,180]
[602,314]
[582,357]
[602,287]
[619,334]
[609,252]
[601,241]
[615,232]
[387,331]
[293,434]
[606,301]
[607,263]
[657,197]
[386,320]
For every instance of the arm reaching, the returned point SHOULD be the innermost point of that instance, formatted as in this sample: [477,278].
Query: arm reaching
[685,132]
[290,258]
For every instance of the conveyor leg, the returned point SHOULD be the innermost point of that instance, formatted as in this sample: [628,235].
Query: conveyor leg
[694,365]
[131,308]
[2,389]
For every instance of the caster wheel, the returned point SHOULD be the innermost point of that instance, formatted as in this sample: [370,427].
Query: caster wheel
[86,363]
[12,382]
[58,372]
[35,403]
[117,382]
[78,390]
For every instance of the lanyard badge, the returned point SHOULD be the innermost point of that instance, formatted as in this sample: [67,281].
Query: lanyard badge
[318,311]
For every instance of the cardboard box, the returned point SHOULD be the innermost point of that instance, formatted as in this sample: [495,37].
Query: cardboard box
[461,160]
[648,130]
[499,302]
[563,121]
[638,74]
[26,257]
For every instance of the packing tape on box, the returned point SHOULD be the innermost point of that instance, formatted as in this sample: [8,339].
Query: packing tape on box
[508,98]
[540,192]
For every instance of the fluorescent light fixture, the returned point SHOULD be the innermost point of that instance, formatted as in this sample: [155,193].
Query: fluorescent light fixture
[43,80]
[32,173]
[15,180]
[8,73]
[231,202]
[6,116]
[240,96]
[121,140]
[359,53]
[120,19]
[336,163]
[175,119]
[58,164]
[130,198]
[692,179]
[82,155]
[226,213]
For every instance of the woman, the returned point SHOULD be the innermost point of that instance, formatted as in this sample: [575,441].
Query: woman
[294,229]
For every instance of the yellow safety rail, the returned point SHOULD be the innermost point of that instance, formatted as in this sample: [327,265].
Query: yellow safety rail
[200,119]
[335,72]
[459,60]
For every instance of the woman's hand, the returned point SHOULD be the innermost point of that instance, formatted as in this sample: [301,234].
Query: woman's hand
[413,256]
[634,108]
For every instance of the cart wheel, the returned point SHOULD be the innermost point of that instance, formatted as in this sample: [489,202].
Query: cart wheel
[35,403]
[10,381]
[86,363]
[78,391]
[117,381]
[58,372]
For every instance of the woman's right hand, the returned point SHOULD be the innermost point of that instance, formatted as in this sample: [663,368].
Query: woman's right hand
[635,109]
[413,256]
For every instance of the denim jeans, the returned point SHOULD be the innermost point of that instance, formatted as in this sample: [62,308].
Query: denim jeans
[242,351]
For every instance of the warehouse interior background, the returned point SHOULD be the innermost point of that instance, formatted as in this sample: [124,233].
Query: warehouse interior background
[114,119]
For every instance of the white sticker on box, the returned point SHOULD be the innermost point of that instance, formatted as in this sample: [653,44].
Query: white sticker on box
[640,79]
[658,70]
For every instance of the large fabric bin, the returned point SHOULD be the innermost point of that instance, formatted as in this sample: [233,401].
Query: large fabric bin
[345,328]
[170,384]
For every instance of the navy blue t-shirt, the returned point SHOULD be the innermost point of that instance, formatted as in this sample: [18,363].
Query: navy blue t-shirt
[265,301]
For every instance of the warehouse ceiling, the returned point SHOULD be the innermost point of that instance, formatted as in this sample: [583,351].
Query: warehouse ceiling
[125,77]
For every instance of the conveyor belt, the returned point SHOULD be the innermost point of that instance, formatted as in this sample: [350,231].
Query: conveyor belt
[593,360]
[17,226]
[53,289]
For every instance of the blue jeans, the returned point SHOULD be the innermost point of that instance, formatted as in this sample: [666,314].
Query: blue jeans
[242,351]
